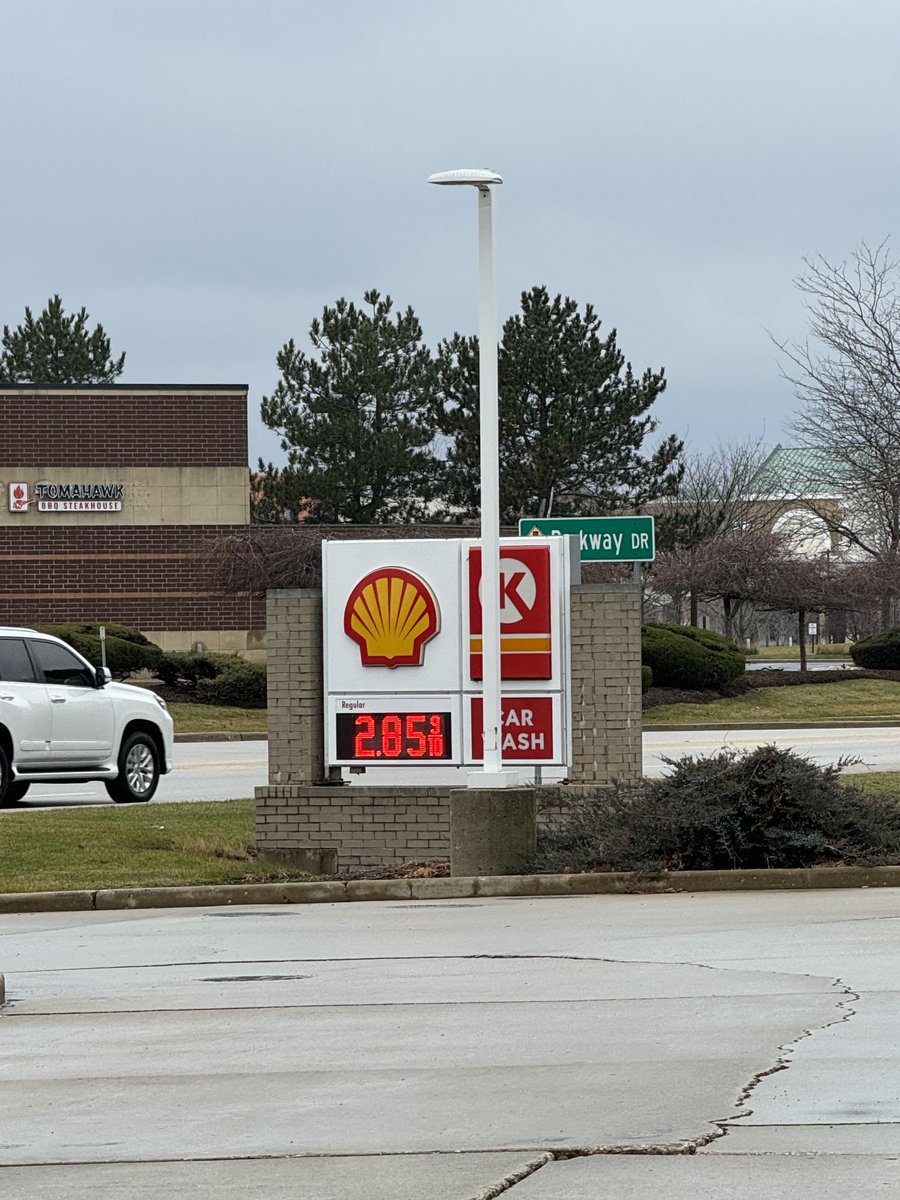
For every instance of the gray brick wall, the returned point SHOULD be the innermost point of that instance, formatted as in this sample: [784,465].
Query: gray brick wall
[376,826]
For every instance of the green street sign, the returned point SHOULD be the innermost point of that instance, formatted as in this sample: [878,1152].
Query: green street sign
[601,539]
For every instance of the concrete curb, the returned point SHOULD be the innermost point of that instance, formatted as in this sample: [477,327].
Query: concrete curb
[221,737]
[453,888]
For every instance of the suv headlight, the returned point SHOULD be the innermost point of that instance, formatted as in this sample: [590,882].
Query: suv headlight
[159,700]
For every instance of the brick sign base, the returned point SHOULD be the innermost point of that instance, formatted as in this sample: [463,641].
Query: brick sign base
[299,818]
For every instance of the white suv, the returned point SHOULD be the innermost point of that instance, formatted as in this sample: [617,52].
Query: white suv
[63,721]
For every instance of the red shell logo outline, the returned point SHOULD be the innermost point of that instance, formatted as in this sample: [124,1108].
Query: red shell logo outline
[391,614]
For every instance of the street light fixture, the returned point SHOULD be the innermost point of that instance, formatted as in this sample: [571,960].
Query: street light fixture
[492,773]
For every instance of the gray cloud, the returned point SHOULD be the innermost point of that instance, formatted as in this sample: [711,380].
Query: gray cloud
[205,175]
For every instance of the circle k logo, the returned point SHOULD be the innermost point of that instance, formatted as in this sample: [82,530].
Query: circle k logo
[525,613]
[518,590]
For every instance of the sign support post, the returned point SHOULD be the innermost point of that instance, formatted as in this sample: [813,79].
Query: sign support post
[492,774]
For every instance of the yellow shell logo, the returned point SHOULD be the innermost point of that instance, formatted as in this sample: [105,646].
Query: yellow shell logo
[391,614]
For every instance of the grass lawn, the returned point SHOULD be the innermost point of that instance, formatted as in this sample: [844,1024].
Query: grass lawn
[138,845]
[858,699]
[211,718]
[879,783]
[158,845]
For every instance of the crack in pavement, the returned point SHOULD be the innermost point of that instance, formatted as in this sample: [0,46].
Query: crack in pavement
[689,1146]
[784,1061]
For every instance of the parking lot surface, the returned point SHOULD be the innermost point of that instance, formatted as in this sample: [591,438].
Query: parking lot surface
[447,1049]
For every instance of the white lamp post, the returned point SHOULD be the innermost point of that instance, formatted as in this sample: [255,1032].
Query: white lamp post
[492,774]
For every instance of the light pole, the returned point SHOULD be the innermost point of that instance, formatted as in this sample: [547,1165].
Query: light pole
[492,773]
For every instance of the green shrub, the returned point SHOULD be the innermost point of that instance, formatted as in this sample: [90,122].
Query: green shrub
[878,653]
[765,808]
[240,683]
[683,656]
[127,650]
[184,669]
[646,678]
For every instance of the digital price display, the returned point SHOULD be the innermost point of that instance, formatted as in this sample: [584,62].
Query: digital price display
[393,736]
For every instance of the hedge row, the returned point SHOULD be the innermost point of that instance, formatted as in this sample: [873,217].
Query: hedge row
[679,656]
[878,653]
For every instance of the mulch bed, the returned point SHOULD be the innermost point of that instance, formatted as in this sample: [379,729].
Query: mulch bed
[428,868]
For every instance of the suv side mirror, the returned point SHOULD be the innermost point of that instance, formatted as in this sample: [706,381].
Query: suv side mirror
[103,676]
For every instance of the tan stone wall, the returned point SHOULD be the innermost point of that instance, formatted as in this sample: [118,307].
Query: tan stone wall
[189,495]
[606,683]
[370,826]
[295,684]
[249,644]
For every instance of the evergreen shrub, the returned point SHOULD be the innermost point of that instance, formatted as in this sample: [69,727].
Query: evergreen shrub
[241,683]
[765,808]
[682,656]
[127,650]
[880,652]
[183,669]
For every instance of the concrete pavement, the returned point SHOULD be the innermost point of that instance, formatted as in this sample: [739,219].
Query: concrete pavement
[450,1049]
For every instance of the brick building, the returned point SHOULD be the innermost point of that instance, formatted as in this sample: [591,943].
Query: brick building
[112,499]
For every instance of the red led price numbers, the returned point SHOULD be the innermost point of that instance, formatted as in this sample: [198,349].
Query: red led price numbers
[392,736]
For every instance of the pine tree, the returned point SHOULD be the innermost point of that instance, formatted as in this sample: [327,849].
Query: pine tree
[57,348]
[355,420]
[573,416]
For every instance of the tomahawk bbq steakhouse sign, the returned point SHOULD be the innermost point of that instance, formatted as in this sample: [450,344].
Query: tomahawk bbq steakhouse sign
[65,497]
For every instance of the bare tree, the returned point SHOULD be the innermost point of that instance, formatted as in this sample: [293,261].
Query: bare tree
[805,587]
[712,508]
[729,568]
[847,378]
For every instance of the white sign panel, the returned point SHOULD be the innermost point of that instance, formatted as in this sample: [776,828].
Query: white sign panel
[403,651]
[391,613]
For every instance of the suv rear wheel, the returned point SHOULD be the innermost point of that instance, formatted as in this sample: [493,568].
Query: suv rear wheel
[15,792]
[138,770]
[8,792]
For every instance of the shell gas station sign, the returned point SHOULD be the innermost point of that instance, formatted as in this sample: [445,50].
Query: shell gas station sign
[402,647]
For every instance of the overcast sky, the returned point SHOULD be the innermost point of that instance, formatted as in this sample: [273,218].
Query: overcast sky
[205,175]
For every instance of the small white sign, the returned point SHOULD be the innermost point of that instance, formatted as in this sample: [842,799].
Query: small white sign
[19,497]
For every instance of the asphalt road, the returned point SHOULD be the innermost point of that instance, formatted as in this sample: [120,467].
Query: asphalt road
[451,1050]
[231,770]
[878,749]
[203,771]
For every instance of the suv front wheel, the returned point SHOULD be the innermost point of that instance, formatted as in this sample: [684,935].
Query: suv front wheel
[138,770]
